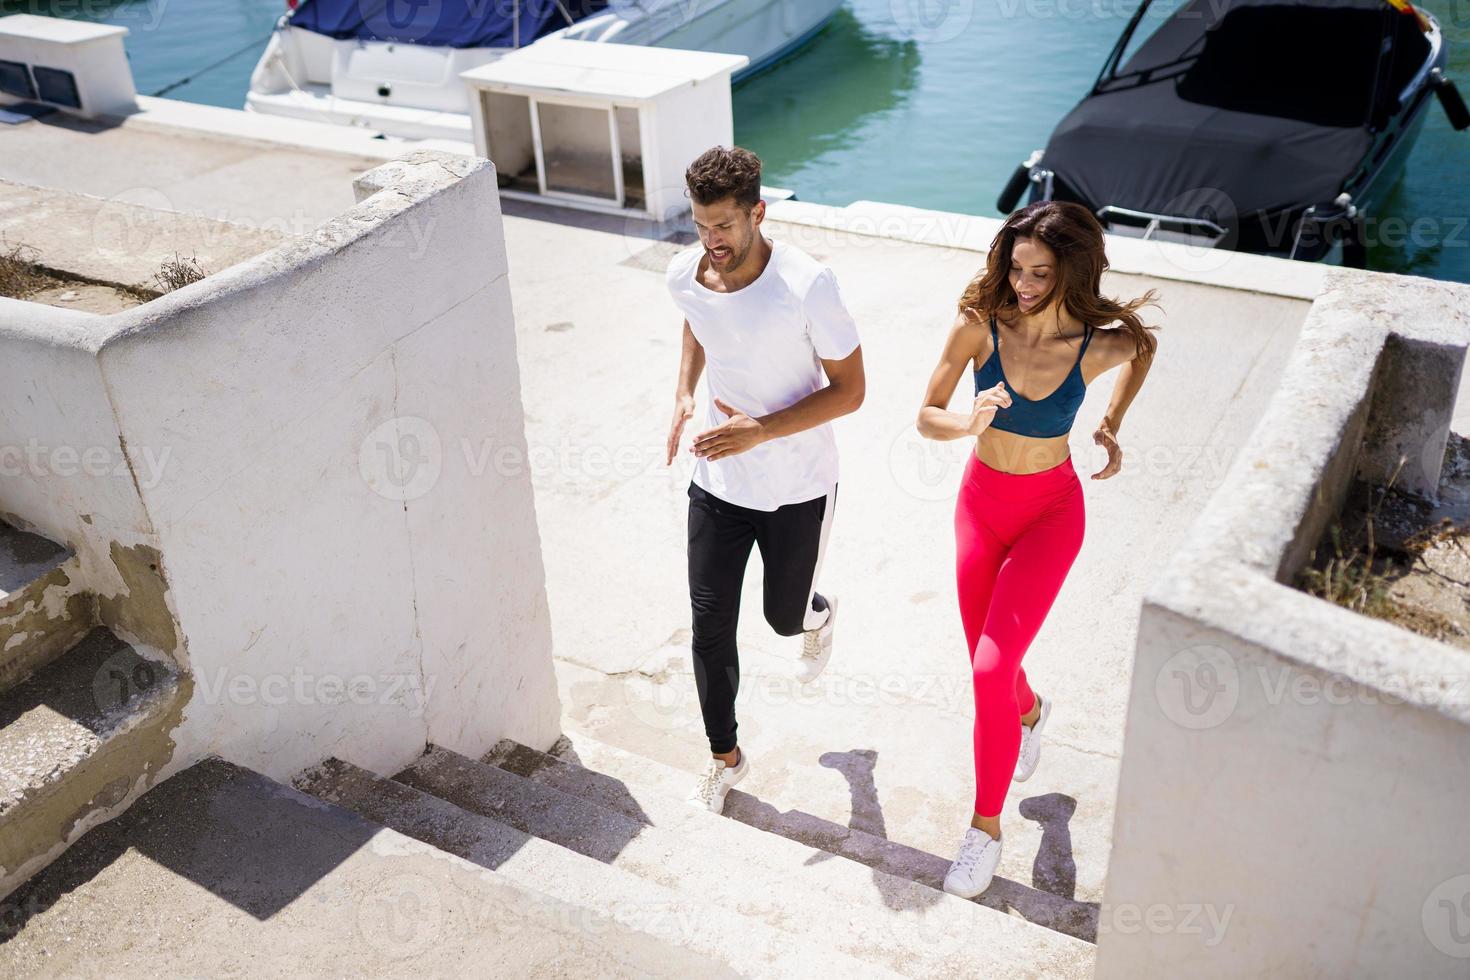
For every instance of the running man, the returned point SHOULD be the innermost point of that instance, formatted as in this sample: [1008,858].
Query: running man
[768,321]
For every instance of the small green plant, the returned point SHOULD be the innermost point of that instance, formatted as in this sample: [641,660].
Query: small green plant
[1354,579]
[20,276]
[1351,579]
[1360,579]
[178,272]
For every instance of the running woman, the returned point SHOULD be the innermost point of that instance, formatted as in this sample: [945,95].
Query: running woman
[1029,328]
[768,321]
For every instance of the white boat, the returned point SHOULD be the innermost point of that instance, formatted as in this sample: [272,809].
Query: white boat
[393,67]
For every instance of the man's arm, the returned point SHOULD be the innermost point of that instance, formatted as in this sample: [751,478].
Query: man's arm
[846,387]
[691,366]
[843,395]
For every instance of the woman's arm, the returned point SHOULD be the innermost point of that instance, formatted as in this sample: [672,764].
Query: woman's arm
[936,421]
[1130,380]
[1119,347]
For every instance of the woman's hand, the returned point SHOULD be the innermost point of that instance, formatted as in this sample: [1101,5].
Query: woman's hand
[985,407]
[1108,439]
[683,412]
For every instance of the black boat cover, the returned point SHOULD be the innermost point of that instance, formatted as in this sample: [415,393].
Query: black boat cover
[438,23]
[1237,105]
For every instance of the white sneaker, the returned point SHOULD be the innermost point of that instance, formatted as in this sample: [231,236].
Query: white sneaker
[816,646]
[971,872]
[709,792]
[1031,743]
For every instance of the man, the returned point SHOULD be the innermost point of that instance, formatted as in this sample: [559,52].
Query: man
[768,321]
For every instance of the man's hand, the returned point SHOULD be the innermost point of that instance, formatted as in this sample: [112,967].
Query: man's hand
[986,403]
[1107,438]
[683,412]
[737,435]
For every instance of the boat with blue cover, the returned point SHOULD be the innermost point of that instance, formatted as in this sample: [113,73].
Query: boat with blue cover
[393,66]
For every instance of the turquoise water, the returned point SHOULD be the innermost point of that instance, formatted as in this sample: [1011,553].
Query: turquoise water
[930,103]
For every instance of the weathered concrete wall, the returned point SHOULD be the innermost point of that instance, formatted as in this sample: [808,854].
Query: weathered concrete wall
[63,473]
[353,574]
[1292,799]
[299,492]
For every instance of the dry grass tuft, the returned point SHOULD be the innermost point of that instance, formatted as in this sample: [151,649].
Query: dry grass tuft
[1356,578]
[178,272]
[20,276]
[1360,577]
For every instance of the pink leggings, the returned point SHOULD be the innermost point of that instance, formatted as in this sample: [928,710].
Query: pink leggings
[1016,536]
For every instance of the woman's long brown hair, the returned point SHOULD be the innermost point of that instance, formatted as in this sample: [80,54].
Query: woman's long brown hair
[1076,238]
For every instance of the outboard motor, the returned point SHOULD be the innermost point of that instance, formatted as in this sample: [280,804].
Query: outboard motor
[1450,99]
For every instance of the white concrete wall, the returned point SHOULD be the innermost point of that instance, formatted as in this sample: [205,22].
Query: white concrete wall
[1293,800]
[351,549]
[63,472]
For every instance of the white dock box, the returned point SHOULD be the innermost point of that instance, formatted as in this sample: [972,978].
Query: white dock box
[605,126]
[74,64]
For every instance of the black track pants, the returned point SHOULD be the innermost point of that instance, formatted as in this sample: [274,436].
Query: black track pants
[792,540]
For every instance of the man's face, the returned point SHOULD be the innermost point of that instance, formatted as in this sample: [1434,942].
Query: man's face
[727,231]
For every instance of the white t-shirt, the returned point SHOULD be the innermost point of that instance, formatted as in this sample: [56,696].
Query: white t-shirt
[763,346]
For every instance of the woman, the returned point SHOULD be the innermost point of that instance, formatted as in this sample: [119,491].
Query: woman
[1029,326]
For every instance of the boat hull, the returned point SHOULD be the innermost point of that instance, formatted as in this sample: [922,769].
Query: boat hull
[414,92]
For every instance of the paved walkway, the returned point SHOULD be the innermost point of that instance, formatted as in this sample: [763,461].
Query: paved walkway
[883,740]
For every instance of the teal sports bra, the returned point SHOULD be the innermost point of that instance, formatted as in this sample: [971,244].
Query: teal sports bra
[1043,418]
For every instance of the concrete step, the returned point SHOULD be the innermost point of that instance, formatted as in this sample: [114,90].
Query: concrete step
[80,739]
[700,926]
[899,924]
[43,609]
[611,773]
[221,871]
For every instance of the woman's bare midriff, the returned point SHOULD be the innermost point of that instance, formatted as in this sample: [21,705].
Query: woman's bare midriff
[1011,453]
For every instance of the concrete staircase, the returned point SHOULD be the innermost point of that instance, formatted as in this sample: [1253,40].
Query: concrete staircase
[619,836]
[43,610]
[583,861]
[84,718]
[220,871]
[523,864]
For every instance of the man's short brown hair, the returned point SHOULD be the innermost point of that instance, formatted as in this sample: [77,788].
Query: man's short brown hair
[725,171]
